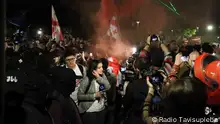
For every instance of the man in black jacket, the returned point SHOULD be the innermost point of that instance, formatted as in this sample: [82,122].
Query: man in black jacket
[135,96]
[63,109]
[14,92]
[34,104]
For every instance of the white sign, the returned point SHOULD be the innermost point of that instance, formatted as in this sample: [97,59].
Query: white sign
[12,79]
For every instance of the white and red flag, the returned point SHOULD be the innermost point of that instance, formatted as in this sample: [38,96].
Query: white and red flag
[56,31]
[114,31]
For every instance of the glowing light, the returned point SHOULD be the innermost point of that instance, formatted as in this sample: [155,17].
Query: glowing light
[134,50]
[209,27]
[39,32]
[90,54]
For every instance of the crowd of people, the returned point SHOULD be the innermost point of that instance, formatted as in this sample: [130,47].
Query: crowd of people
[66,82]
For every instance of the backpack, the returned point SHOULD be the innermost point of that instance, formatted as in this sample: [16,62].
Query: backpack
[81,70]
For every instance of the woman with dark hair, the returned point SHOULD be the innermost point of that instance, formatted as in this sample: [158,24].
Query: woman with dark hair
[92,94]
[185,98]
[207,48]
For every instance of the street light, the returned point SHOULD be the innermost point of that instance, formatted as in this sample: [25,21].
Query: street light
[209,27]
[39,32]
[137,29]
[138,22]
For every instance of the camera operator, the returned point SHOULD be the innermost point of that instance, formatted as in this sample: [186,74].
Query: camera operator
[136,93]
[128,74]
[157,54]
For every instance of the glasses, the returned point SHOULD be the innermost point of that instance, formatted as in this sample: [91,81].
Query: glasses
[70,59]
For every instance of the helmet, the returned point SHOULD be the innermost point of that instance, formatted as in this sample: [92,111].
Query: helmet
[207,69]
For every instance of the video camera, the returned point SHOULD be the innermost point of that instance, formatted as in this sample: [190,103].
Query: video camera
[154,38]
[127,70]
[129,75]
[156,79]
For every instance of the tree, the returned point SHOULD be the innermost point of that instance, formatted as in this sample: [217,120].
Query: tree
[189,32]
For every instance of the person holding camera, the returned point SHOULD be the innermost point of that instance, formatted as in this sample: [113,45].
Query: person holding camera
[137,92]
[157,54]
[184,62]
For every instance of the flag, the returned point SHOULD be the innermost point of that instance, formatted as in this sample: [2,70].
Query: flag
[114,31]
[56,31]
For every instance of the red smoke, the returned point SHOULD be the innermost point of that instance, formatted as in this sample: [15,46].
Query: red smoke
[116,48]
[109,9]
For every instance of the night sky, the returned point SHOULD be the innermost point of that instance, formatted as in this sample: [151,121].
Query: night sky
[197,12]
[38,12]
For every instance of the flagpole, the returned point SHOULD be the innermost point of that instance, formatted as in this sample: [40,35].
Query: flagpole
[3,32]
[51,15]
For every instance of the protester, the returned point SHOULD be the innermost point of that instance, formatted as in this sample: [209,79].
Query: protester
[34,104]
[206,47]
[64,81]
[111,93]
[135,96]
[205,67]
[70,60]
[63,109]
[185,98]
